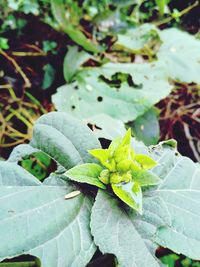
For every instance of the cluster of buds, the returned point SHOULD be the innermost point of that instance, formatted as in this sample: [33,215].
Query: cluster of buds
[118,160]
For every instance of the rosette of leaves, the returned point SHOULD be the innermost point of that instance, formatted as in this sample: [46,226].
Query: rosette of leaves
[121,169]
[64,228]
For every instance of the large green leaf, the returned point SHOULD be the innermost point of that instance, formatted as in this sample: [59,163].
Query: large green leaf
[64,138]
[179,51]
[180,54]
[106,126]
[92,93]
[137,38]
[37,220]
[180,190]
[11,175]
[115,233]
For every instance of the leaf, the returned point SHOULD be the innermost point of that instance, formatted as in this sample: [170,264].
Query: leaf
[180,191]
[20,152]
[107,127]
[11,175]
[135,39]
[145,161]
[146,128]
[72,61]
[86,173]
[177,48]
[37,220]
[49,76]
[115,233]
[130,193]
[145,178]
[58,10]
[91,94]
[101,154]
[4,43]
[126,140]
[64,138]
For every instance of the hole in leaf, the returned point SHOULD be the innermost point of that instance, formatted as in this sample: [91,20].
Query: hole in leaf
[73,107]
[99,98]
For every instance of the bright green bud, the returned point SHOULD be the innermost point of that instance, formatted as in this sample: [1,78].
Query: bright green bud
[127,177]
[115,178]
[105,177]
[124,165]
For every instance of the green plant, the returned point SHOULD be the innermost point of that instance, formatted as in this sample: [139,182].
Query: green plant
[62,222]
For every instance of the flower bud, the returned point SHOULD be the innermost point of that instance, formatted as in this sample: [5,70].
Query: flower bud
[124,165]
[122,154]
[127,177]
[105,176]
[115,178]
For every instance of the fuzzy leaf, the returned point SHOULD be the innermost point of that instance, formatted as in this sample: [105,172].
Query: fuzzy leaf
[177,47]
[86,173]
[115,233]
[64,138]
[95,95]
[37,220]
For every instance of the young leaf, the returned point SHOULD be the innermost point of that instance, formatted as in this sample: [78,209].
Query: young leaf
[145,161]
[86,173]
[101,154]
[145,178]
[130,193]
[126,140]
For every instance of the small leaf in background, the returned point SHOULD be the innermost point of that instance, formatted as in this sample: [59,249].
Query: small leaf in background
[4,43]
[129,193]
[146,128]
[49,76]
[86,173]
[170,260]
[49,46]
[72,61]
[37,164]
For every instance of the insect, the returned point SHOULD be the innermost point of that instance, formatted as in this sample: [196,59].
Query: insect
[72,194]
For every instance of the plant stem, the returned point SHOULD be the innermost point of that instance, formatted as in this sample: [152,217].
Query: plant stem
[181,13]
